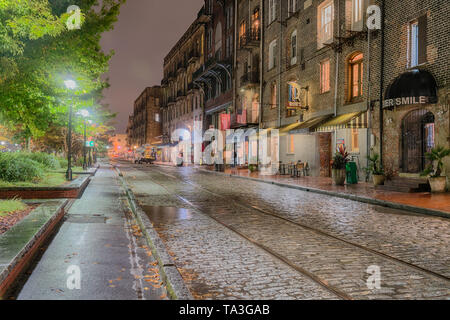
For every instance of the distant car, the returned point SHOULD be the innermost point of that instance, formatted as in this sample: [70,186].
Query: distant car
[144,160]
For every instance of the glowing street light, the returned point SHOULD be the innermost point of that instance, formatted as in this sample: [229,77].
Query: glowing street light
[70,84]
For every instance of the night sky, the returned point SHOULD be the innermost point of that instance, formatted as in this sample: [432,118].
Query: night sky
[144,34]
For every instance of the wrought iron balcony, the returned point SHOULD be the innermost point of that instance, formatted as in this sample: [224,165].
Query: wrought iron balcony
[181,66]
[171,100]
[194,56]
[251,38]
[181,94]
[250,79]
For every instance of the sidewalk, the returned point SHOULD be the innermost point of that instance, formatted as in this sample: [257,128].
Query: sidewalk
[100,239]
[425,202]
[361,191]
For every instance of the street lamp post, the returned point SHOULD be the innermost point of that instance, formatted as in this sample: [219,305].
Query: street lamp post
[71,85]
[84,148]
[85,114]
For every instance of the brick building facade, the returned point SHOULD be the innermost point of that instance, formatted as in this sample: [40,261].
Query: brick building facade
[313,70]
[145,124]
[416,57]
[216,74]
[315,85]
[182,107]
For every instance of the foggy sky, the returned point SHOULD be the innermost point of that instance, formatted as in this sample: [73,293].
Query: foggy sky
[144,34]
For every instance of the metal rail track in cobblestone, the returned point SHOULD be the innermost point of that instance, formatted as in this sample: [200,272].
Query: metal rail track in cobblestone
[318,231]
[302,271]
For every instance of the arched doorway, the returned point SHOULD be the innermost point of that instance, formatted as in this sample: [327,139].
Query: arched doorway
[417,139]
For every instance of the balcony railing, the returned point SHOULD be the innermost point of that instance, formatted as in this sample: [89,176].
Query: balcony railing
[171,100]
[171,76]
[181,66]
[194,55]
[250,78]
[181,93]
[250,38]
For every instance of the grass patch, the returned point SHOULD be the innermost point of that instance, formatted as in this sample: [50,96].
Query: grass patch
[50,179]
[10,206]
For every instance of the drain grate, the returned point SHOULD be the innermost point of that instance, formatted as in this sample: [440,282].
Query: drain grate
[85,218]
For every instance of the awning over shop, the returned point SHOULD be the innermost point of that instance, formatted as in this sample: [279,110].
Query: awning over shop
[306,126]
[355,120]
[412,87]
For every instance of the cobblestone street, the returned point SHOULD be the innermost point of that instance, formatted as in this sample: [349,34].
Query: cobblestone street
[241,239]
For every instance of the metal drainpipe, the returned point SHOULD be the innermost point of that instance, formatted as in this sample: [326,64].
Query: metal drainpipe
[261,61]
[369,122]
[337,72]
[381,116]
[235,54]
[280,59]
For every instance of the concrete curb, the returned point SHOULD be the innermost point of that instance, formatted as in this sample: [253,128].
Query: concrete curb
[19,245]
[72,190]
[383,203]
[176,287]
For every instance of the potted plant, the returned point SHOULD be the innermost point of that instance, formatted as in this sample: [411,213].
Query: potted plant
[252,167]
[338,165]
[376,169]
[434,170]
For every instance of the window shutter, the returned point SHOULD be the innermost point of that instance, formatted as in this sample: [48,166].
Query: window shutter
[422,39]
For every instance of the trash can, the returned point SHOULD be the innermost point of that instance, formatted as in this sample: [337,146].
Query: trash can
[352,173]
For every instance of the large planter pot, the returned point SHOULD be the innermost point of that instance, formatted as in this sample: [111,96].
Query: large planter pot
[378,179]
[438,184]
[339,176]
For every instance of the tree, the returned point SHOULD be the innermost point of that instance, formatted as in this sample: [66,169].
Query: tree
[32,94]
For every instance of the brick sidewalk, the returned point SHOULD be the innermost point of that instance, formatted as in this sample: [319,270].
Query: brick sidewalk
[425,200]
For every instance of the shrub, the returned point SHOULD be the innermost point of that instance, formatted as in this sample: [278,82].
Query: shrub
[63,163]
[15,167]
[47,160]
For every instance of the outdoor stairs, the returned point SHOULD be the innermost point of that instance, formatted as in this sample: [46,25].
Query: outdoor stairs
[406,184]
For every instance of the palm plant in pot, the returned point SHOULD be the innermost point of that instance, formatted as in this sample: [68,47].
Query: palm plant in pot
[338,165]
[376,170]
[434,170]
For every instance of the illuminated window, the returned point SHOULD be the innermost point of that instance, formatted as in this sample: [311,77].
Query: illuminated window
[357,14]
[325,23]
[356,76]
[325,76]
[242,32]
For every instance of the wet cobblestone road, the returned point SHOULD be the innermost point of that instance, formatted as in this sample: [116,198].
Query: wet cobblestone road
[225,249]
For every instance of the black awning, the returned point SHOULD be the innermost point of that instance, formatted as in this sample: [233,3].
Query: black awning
[412,87]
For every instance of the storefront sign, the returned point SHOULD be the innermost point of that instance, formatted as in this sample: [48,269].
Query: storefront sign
[405,101]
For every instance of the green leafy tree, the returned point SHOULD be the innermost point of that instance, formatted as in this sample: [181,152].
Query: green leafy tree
[33,96]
